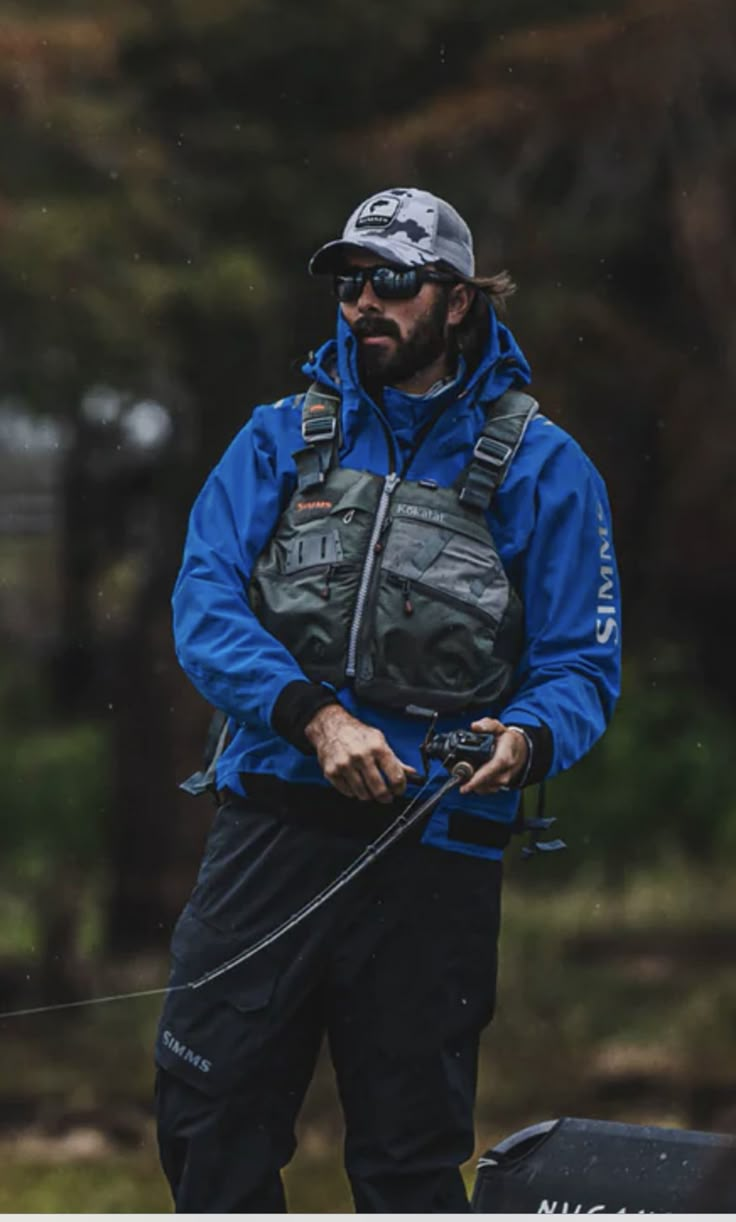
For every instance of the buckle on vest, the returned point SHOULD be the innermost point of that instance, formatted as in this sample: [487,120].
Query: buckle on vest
[494,453]
[319,428]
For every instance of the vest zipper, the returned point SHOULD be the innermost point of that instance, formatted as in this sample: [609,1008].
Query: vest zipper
[390,485]
[444,596]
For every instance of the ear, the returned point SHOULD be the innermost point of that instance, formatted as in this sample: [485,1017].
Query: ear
[459,302]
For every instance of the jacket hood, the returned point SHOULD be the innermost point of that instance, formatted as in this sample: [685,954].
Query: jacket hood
[502,363]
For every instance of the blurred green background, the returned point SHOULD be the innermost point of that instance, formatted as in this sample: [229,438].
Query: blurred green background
[168,168]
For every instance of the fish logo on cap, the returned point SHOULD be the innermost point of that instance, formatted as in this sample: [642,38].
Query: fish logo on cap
[377,213]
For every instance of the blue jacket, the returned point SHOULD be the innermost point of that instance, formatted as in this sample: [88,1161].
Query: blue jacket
[551,524]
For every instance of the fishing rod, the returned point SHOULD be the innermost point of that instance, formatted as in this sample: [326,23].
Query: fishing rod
[461,753]
[400,826]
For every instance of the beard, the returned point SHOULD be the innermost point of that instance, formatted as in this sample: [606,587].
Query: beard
[425,343]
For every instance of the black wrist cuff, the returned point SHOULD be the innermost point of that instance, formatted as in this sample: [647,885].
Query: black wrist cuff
[295,707]
[542,745]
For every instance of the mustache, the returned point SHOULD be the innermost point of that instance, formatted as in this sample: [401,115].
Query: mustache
[366,326]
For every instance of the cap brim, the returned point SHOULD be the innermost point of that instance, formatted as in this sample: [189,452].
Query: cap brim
[331,256]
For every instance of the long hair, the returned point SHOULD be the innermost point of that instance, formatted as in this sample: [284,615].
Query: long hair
[471,335]
[496,288]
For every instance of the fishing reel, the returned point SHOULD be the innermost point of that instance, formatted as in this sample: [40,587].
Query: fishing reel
[458,747]
[462,752]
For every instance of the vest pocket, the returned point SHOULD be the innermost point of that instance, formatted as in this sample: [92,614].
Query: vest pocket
[462,567]
[305,584]
[310,610]
[432,650]
[441,607]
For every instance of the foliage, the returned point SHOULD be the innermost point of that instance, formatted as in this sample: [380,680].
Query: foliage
[659,782]
[55,781]
[118,1184]
[597,157]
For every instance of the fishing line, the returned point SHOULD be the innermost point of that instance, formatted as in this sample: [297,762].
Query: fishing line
[408,817]
[91,1001]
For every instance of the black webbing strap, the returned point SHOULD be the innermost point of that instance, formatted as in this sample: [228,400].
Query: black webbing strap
[320,434]
[495,449]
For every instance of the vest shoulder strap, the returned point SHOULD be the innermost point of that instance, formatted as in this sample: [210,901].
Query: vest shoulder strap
[320,434]
[506,422]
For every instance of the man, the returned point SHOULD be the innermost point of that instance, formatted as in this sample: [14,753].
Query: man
[410,533]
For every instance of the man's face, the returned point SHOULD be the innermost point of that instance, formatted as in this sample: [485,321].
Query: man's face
[396,339]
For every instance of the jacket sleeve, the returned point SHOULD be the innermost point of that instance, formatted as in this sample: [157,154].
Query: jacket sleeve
[569,675]
[231,659]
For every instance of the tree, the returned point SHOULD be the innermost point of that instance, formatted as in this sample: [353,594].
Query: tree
[598,158]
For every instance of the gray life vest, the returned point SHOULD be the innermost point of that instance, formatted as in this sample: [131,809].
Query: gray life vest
[394,586]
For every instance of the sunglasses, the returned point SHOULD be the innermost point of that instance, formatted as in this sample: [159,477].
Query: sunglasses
[389,283]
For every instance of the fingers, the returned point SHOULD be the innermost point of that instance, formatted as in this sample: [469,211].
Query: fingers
[393,770]
[359,788]
[489,779]
[384,775]
[365,781]
[341,785]
[488,725]
[507,762]
[376,784]
[358,762]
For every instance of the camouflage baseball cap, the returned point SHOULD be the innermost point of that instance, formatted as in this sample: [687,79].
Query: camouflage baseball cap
[406,226]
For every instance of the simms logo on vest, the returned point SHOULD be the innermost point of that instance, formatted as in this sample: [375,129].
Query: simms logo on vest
[311,509]
[186,1054]
[606,627]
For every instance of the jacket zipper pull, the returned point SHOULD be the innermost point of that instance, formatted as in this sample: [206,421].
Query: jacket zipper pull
[325,591]
[408,604]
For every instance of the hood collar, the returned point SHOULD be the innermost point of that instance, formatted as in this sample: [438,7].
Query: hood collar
[502,364]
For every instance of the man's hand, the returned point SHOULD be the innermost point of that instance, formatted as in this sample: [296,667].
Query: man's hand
[507,763]
[356,758]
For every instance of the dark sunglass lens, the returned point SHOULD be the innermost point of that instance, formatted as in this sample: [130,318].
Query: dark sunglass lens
[391,283]
[382,280]
[348,287]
